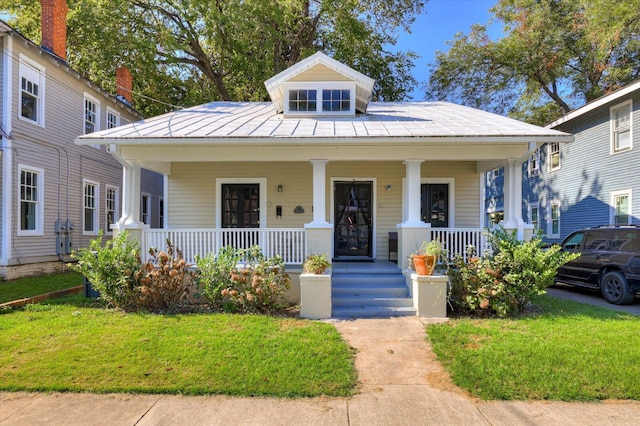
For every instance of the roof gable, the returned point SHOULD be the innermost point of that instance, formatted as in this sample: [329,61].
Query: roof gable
[320,68]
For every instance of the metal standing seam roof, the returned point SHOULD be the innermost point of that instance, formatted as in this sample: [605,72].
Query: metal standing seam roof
[253,120]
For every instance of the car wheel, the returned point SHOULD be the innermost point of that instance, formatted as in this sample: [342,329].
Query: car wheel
[615,289]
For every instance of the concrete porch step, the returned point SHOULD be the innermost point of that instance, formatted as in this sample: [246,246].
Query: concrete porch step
[372,312]
[364,301]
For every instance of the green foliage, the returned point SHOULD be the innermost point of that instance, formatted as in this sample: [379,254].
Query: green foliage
[112,269]
[214,272]
[116,271]
[316,263]
[505,282]
[244,280]
[539,71]
[195,51]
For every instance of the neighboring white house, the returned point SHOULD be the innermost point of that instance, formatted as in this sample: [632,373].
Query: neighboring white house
[56,196]
[322,169]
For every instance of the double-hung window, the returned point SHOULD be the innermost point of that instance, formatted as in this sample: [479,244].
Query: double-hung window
[553,155]
[91,114]
[534,219]
[113,118]
[90,205]
[620,207]
[31,102]
[31,191]
[111,204]
[554,220]
[145,209]
[621,127]
[534,163]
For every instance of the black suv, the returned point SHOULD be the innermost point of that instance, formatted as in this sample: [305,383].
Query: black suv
[609,260]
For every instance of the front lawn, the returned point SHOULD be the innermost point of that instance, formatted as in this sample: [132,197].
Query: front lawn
[35,286]
[67,345]
[565,351]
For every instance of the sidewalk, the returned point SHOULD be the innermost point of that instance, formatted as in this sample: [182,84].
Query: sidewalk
[402,384]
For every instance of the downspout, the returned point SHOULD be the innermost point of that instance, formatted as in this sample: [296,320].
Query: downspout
[7,149]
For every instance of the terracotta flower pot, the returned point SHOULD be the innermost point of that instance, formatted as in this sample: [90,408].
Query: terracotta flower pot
[424,264]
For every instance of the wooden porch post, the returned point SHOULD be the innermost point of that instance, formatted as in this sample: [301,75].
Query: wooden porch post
[513,198]
[413,231]
[130,219]
[319,231]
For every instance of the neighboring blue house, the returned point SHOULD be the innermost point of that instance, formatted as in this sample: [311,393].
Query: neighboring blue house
[589,182]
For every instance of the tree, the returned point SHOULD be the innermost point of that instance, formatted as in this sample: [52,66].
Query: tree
[555,55]
[193,51]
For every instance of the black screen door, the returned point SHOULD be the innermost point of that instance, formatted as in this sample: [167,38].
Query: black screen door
[353,218]
[434,206]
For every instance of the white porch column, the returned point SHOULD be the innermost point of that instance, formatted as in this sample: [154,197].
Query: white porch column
[513,198]
[130,219]
[413,231]
[319,231]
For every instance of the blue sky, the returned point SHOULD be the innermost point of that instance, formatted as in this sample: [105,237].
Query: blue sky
[439,23]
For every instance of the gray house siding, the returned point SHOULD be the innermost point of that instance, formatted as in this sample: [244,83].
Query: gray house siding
[48,147]
[588,175]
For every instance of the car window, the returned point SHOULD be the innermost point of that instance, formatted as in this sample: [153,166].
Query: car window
[574,241]
[625,240]
[597,239]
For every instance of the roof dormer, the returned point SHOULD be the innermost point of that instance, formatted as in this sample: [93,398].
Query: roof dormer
[319,85]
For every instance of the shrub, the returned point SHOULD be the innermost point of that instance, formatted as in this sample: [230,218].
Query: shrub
[111,268]
[214,273]
[504,283]
[165,280]
[116,271]
[257,286]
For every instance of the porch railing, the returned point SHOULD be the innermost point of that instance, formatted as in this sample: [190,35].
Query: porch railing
[288,243]
[456,240]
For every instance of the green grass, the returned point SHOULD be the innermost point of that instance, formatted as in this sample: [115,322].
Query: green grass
[566,351]
[34,286]
[63,345]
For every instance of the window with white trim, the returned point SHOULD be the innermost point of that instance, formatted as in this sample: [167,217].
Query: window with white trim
[321,98]
[534,163]
[145,209]
[31,93]
[621,127]
[111,207]
[91,114]
[553,230]
[113,118]
[620,208]
[31,203]
[90,207]
[553,154]
[534,217]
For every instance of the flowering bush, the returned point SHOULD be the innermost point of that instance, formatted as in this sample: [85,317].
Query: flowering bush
[504,282]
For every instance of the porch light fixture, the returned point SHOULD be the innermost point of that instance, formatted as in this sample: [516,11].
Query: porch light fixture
[388,187]
[279,188]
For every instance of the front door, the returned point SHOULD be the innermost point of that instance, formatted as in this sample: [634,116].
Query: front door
[241,209]
[353,219]
[434,204]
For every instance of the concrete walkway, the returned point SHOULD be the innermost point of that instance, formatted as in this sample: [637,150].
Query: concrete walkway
[402,384]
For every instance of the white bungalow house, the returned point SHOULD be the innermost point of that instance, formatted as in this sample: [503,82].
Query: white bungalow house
[321,169]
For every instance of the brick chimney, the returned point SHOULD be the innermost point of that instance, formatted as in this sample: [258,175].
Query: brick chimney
[124,84]
[54,26]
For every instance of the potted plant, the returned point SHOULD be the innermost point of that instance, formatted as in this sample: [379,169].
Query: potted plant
[425,259]
[316,264]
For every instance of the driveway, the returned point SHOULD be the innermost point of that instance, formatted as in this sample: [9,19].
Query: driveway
[591,297]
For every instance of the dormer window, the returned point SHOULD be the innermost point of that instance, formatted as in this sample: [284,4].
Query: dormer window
[322,98]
